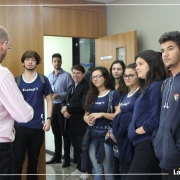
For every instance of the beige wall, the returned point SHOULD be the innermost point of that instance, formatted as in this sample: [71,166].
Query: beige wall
[150,21]
[28,21]
[62,45]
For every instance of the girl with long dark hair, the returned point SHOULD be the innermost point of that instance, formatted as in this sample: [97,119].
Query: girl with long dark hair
[98,119]
[146,115]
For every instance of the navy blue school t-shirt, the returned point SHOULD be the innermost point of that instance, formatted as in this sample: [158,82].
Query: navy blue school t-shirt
[127,104]
[33,93]
[101,105]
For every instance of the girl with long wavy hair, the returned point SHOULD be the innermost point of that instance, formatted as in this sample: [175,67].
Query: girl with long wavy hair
[98,119]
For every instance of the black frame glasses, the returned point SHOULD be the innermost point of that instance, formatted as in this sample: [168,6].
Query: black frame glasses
[129,76]
[98,76]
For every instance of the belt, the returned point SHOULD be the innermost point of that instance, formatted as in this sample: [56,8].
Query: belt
[5,145]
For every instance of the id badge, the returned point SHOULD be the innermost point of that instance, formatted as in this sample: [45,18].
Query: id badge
[52,88]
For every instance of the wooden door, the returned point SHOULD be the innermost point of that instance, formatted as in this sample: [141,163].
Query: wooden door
[107,48]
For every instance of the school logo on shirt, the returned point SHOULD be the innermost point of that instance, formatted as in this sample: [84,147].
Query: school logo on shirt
[176,171]
[100,102]
[176,96]
[33,89]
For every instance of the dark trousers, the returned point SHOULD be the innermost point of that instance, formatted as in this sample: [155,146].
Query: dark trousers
[76,139]
[170,175]
[27,140]
[6,161]
[116,168]
[144,161]
[120,169]
[57,125]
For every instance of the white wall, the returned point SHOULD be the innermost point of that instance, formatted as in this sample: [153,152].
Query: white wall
[150,21]
[62,45]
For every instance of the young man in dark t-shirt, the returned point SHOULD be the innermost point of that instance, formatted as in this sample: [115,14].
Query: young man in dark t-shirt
[29,136]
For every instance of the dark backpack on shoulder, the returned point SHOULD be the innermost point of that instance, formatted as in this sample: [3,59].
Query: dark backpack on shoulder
[18,81]
[110,103]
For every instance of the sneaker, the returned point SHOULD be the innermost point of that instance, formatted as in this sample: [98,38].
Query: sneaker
[84,176]
[76,172]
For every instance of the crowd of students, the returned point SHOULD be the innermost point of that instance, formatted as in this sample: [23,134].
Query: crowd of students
[144,116]
[146,119]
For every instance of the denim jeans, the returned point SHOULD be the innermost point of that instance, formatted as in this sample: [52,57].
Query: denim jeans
[27,140]
[6,162]
[105,168]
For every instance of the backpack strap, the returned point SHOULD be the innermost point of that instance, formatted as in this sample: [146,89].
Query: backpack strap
[43,82]
[110,106]
[18,80]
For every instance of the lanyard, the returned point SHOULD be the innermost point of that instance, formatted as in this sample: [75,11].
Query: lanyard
[54,79]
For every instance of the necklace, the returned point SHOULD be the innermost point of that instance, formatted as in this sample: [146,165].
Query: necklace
[102,90]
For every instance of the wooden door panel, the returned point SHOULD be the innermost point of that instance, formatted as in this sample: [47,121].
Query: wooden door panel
[107,46]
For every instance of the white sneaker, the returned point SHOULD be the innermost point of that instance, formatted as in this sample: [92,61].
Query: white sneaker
[76,172]
[84,176]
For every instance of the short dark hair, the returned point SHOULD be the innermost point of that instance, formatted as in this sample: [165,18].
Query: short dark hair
[79,68]
[156,68]
[29,54]
[57,55]
[131,66]
[170,36]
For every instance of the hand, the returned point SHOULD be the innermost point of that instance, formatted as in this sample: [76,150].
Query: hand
[67,115]
[91,123]
[94,116]
[47,125]
[140,130]
[64,109]
[55,96]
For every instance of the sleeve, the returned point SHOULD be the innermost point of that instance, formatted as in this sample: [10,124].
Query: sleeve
[47,86]
[13,100]
[63,103]
[69,81]
[154,96]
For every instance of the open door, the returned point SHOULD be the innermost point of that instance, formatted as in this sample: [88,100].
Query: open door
[121,46]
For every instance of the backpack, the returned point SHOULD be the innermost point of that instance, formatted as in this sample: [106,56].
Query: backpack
[18,81]
[109,137]
[110,106]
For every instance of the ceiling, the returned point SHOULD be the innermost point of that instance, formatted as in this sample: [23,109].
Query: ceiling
[102,1]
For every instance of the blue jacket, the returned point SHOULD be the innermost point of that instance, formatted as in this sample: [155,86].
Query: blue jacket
[99,153]
[146,113]
[120,126]
[166,139]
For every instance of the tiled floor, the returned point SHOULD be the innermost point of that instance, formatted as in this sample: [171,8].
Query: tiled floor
[56,172]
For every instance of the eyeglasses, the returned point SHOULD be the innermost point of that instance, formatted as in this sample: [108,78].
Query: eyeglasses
[9,46]
[96,77]
[128,76]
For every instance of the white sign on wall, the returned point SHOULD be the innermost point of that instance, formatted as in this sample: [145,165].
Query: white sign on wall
[106,57]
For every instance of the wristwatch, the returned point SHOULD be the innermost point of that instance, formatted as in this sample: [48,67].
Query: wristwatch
[50,118]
